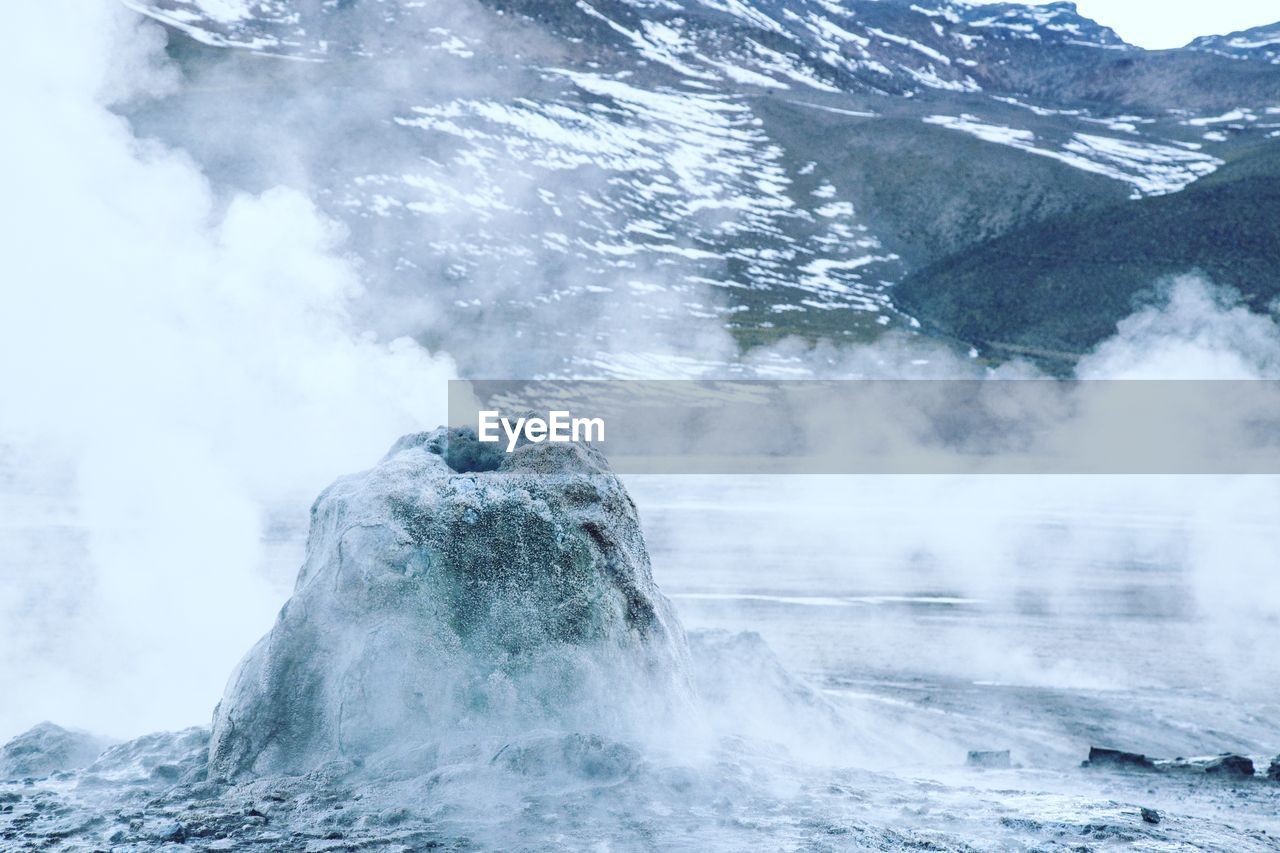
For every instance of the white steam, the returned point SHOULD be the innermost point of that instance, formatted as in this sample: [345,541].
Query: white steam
[1192,330]
[175,365]
[1083,583]
[172,366]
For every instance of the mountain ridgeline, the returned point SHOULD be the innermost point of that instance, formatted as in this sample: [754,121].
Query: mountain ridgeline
[581,173]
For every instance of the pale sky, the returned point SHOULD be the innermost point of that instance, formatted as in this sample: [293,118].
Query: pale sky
[1173,23]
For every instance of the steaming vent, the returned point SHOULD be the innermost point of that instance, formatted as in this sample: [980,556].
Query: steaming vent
[455,592]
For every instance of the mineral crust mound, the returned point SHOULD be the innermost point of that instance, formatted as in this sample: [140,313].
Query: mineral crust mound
[457,591]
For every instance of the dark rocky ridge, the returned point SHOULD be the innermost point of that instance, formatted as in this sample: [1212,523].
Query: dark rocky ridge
[1060,286]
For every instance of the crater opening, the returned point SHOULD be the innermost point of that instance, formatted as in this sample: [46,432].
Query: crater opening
[464,453]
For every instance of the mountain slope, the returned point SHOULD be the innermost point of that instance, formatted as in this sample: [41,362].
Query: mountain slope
[602,177]
[1061,285]
[1258,43]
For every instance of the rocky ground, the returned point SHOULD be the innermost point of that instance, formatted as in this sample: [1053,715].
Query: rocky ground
[549,791]
[476,656]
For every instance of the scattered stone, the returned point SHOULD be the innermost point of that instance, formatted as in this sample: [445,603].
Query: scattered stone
[1150,816]
[989,759]
[47,749]
[1227,765]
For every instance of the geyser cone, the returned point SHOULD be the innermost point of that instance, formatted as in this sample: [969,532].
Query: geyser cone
[491,596]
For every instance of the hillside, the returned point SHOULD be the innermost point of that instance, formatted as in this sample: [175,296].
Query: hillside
[1062,284]
[587,173]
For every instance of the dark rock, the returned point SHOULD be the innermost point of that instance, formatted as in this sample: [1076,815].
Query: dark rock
[1150,816]
[1273,772]
[498,594]
[989,758]
[1231,765]
[170,831]
[1224,765]
[1102,757]
[47,749]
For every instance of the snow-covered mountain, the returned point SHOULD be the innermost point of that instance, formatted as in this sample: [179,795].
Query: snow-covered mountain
[610,176]
[809,40]
[1262,43]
